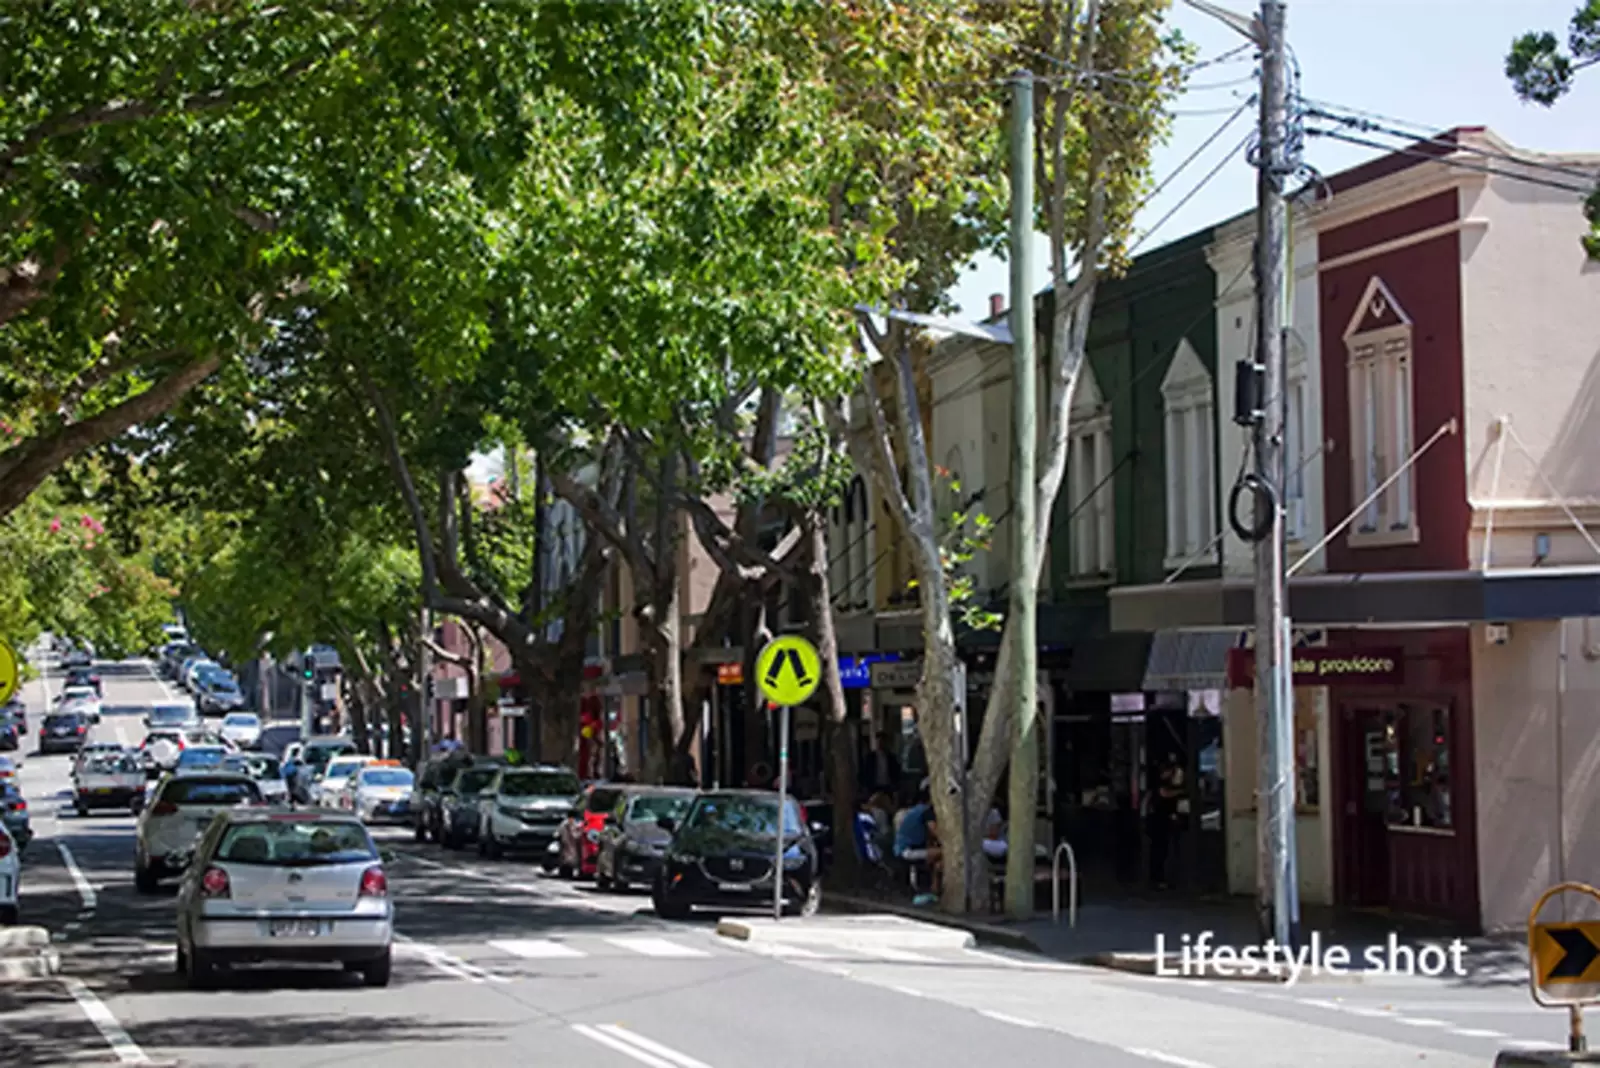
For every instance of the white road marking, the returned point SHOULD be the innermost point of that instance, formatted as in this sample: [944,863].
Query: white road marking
[1362,1010]
[1025,964]
[161,682]
[126,1049]
[1168,1058]
[85,891]
[639,1047]
[782,949]
[908,992]
[656,947]
[621,1047]
[448,963]
[1007,1019]
[1419,1021]
[1322,1003]
[536,949]
[1479,1032]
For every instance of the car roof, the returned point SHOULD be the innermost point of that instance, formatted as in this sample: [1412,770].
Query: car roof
[212,773]
[281,814]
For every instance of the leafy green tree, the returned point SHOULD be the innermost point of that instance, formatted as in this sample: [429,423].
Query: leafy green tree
[1542,72]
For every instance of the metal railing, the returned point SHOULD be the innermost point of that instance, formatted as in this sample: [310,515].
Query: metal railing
[1055,885]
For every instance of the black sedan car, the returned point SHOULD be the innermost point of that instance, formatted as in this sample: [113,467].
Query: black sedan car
[85,676]
[458,804]
[724,854]
[633,841]
[63,732]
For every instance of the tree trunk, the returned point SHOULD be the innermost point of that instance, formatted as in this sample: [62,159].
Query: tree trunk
[847,859]
[560,711]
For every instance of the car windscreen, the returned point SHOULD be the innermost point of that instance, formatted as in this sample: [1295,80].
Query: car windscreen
[602,800]
[240,721]
[296,843]
[343,769]
[742,815]
[387,777]
[195,791]
[173,714]
[257,767]
[657,806]
[539,784]
[319,755]
[202,756]
[473,781]
[63,719]
[111,764]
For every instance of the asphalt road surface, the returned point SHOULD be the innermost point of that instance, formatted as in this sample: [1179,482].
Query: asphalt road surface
[500,965]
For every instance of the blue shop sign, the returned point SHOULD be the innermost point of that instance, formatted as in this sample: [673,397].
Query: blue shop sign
[856,672]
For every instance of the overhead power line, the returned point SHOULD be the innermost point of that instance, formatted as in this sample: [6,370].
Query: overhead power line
[1447,161]
[1190,195]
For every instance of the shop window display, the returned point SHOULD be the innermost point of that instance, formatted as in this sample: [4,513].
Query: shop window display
[1417,767]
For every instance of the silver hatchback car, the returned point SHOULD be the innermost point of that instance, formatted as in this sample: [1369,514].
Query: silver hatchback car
[279,885]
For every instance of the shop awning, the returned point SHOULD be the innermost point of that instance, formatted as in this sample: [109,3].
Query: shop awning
[1189,660]
[1404,598]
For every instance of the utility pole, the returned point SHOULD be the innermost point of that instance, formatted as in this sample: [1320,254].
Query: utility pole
[1277,895]
[1024,791]
[421,729]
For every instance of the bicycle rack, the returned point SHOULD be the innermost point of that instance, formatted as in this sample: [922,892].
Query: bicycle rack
[1055,885]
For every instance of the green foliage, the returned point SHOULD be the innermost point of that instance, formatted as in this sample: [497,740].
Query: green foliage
[65,573]
[964,533]
[1541,72]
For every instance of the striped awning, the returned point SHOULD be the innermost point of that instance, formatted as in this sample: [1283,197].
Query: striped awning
[1182,660]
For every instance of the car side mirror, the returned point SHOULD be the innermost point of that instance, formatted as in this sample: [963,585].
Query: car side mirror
[667,823]
[611,819]
[388,856]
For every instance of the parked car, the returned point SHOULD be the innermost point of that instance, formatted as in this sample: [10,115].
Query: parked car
[632,840]
[265,770]
[312,760]
[579,841]
[10,878]
[523,809]
[8,770]
[217,692]
[62,732]
[380,793]
[18,712]
[182,808]
[427,799]
[243,729]
[723,853]
[189,669]
[109,780]
[173,654]
[14,814]
[11,731]
[285,886]
[458,804]
[276,738]
[85,677]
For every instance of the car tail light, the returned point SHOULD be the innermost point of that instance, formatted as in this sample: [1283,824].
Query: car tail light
[163,808]
[374,883]
[5,845]
[214,883]
[82,728]
[19,806]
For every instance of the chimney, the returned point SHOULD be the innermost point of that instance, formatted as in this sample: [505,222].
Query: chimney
[997,305]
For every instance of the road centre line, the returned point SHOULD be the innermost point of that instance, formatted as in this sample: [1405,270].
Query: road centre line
[451,965]
[81,881]
[126,1049]
[1006,1018]
[1168,1058]
[637,1046]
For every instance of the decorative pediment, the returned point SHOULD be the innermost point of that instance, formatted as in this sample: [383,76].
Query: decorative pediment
[1186,373]
[1377,310]
[1087,399]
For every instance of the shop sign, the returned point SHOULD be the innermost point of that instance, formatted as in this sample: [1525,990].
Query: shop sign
[895,676]
[1326,667]
[856,672]
[730,674]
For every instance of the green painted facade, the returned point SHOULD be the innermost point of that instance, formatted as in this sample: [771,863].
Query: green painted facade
[1139,319]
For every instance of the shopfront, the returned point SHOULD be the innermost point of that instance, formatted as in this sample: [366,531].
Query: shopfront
[1399,707]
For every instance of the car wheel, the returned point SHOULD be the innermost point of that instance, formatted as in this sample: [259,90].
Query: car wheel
[421,832]
[144,880]
[9,915]
[602,881]
[668,909]
[202,970]
[377,972]
[83,810]
[180,960]
[812,903]
[491,845]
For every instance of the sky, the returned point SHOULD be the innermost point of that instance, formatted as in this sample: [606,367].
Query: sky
[1431,63]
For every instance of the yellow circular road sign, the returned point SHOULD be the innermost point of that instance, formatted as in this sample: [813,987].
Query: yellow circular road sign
[8,672]
[788,670]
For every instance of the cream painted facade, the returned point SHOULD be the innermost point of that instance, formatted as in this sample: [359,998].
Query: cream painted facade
[1230,257]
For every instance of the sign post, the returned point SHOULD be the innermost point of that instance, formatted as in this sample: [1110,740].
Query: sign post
[9,673]
[788,671]
[1564,963]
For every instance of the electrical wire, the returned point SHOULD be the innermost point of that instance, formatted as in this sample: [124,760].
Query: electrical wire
[1192,193]
[1447,161]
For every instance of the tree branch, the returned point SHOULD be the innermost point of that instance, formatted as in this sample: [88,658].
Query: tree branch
[408,488]
[24,284]
[24,466]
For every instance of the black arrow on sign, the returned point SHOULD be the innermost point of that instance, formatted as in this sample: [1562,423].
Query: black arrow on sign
[792,658]
[800,673]
[1580,952]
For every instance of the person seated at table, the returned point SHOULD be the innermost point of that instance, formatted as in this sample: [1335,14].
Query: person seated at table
[994,835]
[916,837]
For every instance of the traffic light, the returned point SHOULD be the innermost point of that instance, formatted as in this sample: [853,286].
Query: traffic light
[309,670]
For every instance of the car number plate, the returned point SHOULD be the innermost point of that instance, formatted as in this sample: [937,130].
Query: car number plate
[295,928]
[738,888]
[102,789]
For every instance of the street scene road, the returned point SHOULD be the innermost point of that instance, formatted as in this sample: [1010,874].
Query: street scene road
[499,964]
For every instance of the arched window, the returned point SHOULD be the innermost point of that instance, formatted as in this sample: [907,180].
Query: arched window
[1187,396]
[858,523]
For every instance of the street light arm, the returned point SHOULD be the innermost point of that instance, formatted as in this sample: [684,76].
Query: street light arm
[1248,25]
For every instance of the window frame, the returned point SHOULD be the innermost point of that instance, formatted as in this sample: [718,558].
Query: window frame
[1091,521]
[1189,407]
[1380,367]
